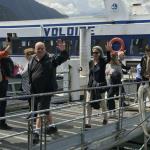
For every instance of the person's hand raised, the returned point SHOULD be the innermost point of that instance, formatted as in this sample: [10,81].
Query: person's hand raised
[107,46]
[61,45]
[8,48]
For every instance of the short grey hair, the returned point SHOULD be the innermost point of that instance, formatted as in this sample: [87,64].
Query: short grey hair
[99,48]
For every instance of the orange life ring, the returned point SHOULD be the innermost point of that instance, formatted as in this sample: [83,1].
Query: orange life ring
[117,40]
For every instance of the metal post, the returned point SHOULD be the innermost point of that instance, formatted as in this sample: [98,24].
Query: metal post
[45,124]
[69,84]
[145,138]
[83,124]
[145,142]
[122,98]
[41,118]
[66,79]
[120,105]
[120,115]
[32,122]
[29,134]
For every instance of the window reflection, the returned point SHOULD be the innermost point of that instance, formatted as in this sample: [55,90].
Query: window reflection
[137,46]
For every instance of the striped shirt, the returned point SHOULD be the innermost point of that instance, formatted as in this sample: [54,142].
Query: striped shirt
[25,80]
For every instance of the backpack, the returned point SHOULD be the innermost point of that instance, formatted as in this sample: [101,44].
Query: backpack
[7,66]
[115,77]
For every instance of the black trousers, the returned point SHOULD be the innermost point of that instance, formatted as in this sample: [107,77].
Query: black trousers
[111,93]
[3,104]
[138,85]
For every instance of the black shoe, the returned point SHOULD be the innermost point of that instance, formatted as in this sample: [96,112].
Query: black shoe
[105,122]
[5,127]
[29,117]
[51,130]
[87,126]
[35,138]
[124,105]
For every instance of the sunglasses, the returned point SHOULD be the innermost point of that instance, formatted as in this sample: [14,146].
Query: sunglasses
[95,52]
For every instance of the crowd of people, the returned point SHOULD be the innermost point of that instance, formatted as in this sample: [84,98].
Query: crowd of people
[109,71]
[41,66]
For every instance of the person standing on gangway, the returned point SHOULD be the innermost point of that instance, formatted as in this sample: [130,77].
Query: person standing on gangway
[42,77]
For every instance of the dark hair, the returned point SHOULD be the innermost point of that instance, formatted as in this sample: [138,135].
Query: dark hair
[147,48]
[115,77]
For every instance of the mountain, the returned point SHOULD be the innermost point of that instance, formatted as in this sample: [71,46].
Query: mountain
[13,10]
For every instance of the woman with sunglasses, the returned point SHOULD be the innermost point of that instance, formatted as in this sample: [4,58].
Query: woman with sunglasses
[97,79]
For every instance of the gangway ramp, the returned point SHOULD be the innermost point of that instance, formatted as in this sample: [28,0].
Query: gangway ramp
[71,135]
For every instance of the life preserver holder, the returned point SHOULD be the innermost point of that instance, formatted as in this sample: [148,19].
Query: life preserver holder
[117,40]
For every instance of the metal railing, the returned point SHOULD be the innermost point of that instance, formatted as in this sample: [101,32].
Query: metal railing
[14,86]
[82,133]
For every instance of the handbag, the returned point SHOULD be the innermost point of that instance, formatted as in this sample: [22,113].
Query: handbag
[95,96]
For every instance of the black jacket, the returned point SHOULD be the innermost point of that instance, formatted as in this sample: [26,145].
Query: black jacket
[42,74]
[125,68]
[143,67]
[97,72]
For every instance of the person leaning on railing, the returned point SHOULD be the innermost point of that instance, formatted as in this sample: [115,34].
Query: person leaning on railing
[3,89]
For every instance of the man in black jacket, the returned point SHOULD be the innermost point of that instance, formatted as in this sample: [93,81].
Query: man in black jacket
[42,77]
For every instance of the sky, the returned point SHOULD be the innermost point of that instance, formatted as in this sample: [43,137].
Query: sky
[79,7]
[75,7]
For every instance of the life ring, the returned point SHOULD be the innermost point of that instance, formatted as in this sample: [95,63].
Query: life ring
[117,40]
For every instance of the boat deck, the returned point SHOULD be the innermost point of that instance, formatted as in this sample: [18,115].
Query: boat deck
[70,132]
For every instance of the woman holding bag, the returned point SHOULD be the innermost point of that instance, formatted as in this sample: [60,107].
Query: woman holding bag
[97,79]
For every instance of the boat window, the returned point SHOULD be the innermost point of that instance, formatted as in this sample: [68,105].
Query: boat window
[28,43]
[99,42]
[17,47]
[51,42]
[23,43]
[76,46]
[52,46]
[137,46]
[72,46]
[4,44]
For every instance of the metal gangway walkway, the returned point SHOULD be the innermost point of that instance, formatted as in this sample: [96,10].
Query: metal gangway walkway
[69,117]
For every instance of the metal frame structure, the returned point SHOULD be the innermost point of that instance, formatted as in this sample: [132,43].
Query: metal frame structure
[104,137]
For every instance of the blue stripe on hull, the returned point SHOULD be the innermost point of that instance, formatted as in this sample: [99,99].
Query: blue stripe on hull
[76,24]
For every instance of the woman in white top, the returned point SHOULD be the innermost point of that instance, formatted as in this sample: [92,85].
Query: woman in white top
[114,75]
